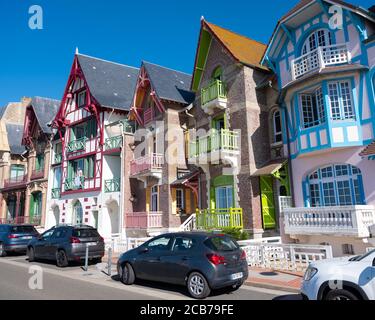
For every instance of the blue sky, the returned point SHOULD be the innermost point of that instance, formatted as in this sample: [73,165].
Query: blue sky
[37,62]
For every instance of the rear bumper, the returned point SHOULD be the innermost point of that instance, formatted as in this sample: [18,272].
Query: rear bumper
[15,247]
[82,256]
[222,281]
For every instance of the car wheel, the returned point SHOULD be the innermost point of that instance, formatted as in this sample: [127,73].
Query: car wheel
[198,286]
[128,275]
[340,295]
[61,259]
[31,254]
[3,253]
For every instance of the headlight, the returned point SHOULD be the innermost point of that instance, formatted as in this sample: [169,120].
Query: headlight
[310,273]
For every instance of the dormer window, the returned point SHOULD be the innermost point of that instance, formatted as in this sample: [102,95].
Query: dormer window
[81,99]
[319,38]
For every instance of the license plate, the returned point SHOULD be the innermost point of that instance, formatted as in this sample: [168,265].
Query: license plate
[237,276]
[27,238]
[91,244]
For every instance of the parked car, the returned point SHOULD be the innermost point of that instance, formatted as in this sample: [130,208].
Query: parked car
[200,261]
[349,278]
[14,238]
[65,244]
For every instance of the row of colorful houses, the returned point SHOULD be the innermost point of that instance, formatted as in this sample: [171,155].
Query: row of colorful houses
[274,139]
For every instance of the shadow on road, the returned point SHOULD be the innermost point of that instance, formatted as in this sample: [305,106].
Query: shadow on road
[295,297]
[173,288]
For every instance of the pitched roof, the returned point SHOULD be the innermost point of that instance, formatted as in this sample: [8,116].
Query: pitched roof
[369,150]
[2,110]
[14,133]
[111,84]
[45,110]
[170,84]
[244,49]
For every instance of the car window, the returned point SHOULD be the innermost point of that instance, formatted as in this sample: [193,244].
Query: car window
[59,233]
[22,229]
[163,244]
[183,244]
[47,234]
[221,243]
[85,233]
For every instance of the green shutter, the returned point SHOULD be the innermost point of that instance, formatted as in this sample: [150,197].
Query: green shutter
[268,204]
[32,206]
[212,198]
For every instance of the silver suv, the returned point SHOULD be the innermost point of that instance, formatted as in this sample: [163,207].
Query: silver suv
[65,244]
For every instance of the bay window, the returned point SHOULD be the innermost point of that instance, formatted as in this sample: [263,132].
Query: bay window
[340,100]
[335,185]
[313,111]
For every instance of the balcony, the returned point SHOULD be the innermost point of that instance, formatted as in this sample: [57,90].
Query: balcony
[57,158]
[74,184]
[15,181]
[77,145]
[55,193]
[318,59]
[211,219]
[219,145]
[351,221]
[37,174]
[214,96]
[113,185]
[149,165]
[113,143]
[144,220]
[35,221]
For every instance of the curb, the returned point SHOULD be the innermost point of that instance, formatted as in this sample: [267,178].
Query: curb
[271,286]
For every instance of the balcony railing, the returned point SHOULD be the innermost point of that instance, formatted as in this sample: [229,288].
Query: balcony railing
[340,221]
[15,181]
[318,59]
[57,158]
[223,140]
[113,185]
[148,116]
[144,220]
[216,90]
[74,184]
[219,218]
[113,143]
[36,221]
[77,145]
[37,174]
[147,163]
[56,193]
[127,126]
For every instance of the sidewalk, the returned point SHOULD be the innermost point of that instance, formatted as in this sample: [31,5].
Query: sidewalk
[271,279]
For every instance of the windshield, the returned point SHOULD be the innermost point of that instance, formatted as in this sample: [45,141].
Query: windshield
[221,243]
[23,229]
[362,257]
[85,233]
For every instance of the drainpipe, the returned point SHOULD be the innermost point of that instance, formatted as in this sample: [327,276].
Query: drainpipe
[122,181]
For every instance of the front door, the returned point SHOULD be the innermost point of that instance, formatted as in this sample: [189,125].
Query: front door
[268,202]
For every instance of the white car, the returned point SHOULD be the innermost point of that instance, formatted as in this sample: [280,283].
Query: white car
[349,278]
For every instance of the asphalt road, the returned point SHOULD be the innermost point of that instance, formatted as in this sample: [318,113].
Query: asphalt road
[73,283]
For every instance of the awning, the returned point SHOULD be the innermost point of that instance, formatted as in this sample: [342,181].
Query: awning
[186,178]
[270,168]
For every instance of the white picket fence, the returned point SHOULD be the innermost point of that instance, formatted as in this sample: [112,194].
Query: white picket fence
[120,245]
[288,257]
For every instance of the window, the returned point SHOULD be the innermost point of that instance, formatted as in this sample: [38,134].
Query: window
[221,243]
[162,244]
[36,204]
[224,197]
[348,249]
[77,213]
[277,132]
[183,244]
[39,162]
[217,74]
[336,185]
[313,111]
[57,178]
[340,100]
[58,148]
[81,99]
[17,172]
[82,167]
[88,167]
[154,198]
[87,129]
[180,200]
[319,38]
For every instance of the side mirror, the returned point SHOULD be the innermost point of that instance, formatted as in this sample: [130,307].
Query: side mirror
[144,250]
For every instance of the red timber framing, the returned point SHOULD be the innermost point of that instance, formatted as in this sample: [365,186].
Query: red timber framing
[71,115]
[31,128]
[143,86]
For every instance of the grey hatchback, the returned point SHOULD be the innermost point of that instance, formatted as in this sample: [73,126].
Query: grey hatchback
[201,261]
[64,244]
[14,238]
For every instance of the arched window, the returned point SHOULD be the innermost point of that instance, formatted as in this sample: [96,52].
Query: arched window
[77,213]
[335,185]
[217,74]
[319,38]
[277,132]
